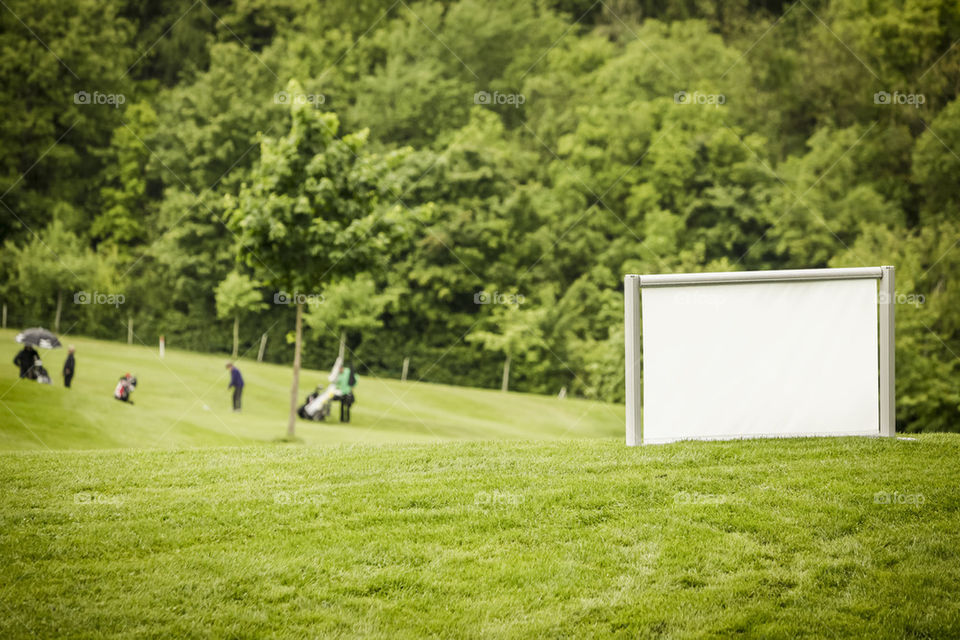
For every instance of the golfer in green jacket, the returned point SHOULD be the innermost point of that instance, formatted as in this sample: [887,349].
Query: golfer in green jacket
[346,381]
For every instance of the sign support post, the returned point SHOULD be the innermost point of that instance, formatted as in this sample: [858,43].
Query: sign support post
[631,290]
[888,410]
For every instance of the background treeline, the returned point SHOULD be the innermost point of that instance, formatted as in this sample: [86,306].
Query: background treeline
[599,172]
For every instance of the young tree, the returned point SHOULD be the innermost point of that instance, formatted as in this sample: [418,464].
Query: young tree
[349,305]
[9,280]
[309,214]
[236,295]
[516,332]
[52,266]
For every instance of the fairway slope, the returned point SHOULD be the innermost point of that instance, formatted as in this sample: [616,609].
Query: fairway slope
[767,539]
[182,401]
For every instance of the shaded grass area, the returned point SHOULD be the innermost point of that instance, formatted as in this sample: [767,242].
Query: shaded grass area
[182,401]
[771,539]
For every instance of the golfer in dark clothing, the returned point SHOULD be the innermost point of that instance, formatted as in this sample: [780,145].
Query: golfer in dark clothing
[69,367]
[25,359]
[236,383]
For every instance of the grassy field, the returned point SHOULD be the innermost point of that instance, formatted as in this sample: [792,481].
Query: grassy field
[767,539]
[182,401]
[446,512]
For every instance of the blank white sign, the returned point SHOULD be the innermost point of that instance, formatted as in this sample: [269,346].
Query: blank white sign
[760,359]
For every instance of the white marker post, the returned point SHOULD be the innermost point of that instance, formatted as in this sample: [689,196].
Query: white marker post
[263,347]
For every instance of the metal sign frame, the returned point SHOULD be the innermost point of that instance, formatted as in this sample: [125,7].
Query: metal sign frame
[634,343]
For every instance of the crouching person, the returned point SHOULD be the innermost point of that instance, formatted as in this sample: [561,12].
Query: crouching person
[124,388]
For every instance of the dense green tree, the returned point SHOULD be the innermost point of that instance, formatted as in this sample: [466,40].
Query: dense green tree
[309,215]
[126,208]
[63,92]
[640,137]
[927,327]
[936,160]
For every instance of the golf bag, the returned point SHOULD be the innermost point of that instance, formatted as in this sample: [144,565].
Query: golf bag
[317,405]
[39,373]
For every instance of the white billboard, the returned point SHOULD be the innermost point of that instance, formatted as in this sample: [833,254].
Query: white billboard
[759,354]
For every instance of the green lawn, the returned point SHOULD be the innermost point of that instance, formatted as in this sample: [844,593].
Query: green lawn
[182,401]
[588,538]
[503,515]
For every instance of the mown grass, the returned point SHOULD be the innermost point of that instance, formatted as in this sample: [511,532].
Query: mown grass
[182,401]
[586,538]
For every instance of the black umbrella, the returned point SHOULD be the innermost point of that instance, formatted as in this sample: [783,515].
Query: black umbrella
[38,337]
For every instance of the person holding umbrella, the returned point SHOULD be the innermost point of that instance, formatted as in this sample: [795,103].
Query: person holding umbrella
[28,356]
[69,367]
[25,359]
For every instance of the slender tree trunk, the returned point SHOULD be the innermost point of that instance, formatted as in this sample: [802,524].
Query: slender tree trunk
[406,366]
[343,344]
[506,374]
[130,328]
[56,321]
[236,336]
[294,388]
[4,315]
